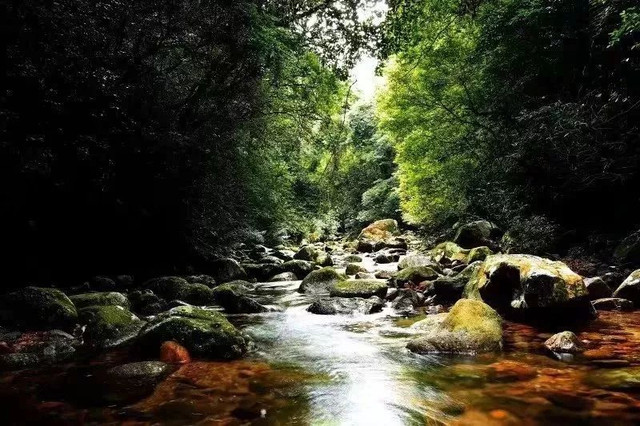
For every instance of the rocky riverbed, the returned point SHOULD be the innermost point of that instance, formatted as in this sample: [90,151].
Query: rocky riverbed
[373,331]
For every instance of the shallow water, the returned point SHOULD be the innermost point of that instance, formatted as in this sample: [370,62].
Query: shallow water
[349,370]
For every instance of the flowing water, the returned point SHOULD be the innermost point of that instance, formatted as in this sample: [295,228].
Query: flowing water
[350,370]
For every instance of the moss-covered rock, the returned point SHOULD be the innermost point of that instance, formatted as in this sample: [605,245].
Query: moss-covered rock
[417,260]
[36,308]
[359,288]
[146,302]
[531,288]
[353,258]
[285,276]
[379,230]
[204,333]
[477,233]
[233,298]
[415,275]
[449,289]
[320,281]
[176,288]
[261,272]
[346,306]
[449,252]
[301,268]
[630,288]
[109,326]
[354,268]
[479,253]
[110,298]
[470,327]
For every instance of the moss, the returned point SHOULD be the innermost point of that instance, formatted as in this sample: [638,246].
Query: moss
[416,274]
[100,299]
[450,250]
[474,317]
[320,281]
[354,268]
[176,288]
[109,326]
[38,308]
[353,258]
[479,253]
[359,288]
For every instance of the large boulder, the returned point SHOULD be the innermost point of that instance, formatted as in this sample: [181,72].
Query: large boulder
[110,298]
[36,308]
[613,304]
[204,333]
[346,306]
[285,276]
[449,252]
[531,289]
[146,302]
[354,268]
[301,268]
[597,288]
[470,327]
[417,260]
[379,230]
[359,288]
[628,251]
[176,288]
[630,288]
[312,254]
[449,289]
[225,270]
[477,233]
[320,281]
[233,298]
[262,272]
[415,275]
[109,326]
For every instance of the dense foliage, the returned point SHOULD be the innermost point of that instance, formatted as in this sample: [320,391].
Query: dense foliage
[524,112]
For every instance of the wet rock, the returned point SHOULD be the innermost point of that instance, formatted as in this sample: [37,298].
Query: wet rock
[346,306]
[415,275]
[323,259]
[383,275]
[365,276]
[174,353]
[479,254]
[418,260]
[477,233]
[100,299]
[285,276]
[449,252]
[271,259]
[35,308]
[201,279]
[262,271]
[301,268]
[102,283]
[597,288]
[284,254]
[233,298]
[359,288]
[146,302]
[320,281]
[630,288]
[613,304]
[366,246]
[225,270]
[354,268]
[406,302]
[202,332]
[622,379]
[448,289]
[35,349]
[129,382]
[353,258]
[170,288]
[307,253]
[470,327]
[386,257]
[530,288]
[565,342]
[109,326]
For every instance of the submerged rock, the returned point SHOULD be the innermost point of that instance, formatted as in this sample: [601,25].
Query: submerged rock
[111,298]
[346,306]
[359,288]
[531,288]
[129,382]
[470,327]
[320,281]
[565,342]
[36,308]
[109,326]
[630,288]
[202,332]
[613,304]
[622,379]
[176,288]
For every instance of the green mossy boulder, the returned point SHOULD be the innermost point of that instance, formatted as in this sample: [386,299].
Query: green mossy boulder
[301,268]
[479,253]
[176,288]
[470,327]
[36,308]
[346,306]
[233,298]
[379,230]
[417,260]
[477,233]
[354,268]
[450,252]
[320,281]
[205,333]
[531,289]
[359,288]
[415,275]
[110,298]
[109,326]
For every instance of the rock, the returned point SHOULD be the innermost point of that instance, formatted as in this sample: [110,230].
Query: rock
[385,257]
[323,259]
[109,326]
[201,279]
[232,298]
[275,260]
[613,304]
[307,253]
[449,252]
[379,230]
[354,268]
[479,253]
[406,302]
[365,276]
[344,306]
[353,258]
[530,288]
[35,349]
[565,342]
[35,308]
[285,276]
[449,289]
[261,272]
[301,268]
[225,270]
[20,361]
[383,275]
[366,246]
[174,353]
[284,254]
[619,379]
[146,302]
[359,288]
[124,281]
[100,299]
[202,332]
[630,288]
[597,288]
[102,283]
[470,327]
[132,381]
[477,233]
[510,371]
[431,322]
[416,261]
[415,275]
[320,281]
[170,288]
[628,251]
